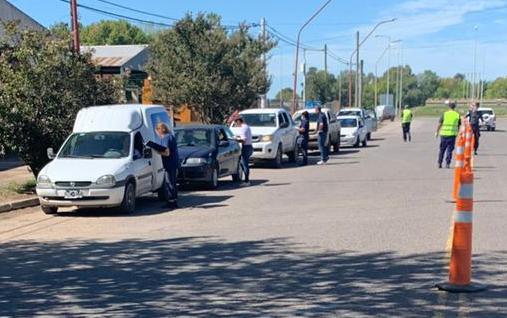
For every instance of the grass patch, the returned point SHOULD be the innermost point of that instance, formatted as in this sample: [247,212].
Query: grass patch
[436,111]
[27,187]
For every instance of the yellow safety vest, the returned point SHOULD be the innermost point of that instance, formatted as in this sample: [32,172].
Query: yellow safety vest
[450,124]
[406,116]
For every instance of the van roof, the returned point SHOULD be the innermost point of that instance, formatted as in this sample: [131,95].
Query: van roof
[261,110]
[120,117]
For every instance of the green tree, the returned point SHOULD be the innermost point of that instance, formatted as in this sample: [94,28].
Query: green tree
[428,83]
[42,87]
[497,88]
[320,86]
[112,32]
[285,94]
[213,71]
[61,30]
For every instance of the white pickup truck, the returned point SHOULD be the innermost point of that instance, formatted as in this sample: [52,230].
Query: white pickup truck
[273,134]
[333,131]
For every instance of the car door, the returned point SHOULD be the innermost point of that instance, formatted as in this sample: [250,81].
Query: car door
[222,153]
[282,130]
[143,171]
[290,136]
[362,129]
[225,149]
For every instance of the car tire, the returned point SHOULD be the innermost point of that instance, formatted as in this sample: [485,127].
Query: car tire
[50,210]
[238,176]
[336,146]
[489,128]
[368,136]
[493,128]
[128,204]
[277,162]
[365,142]
[213,182]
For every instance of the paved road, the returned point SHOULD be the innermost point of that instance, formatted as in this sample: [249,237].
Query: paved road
[363,236]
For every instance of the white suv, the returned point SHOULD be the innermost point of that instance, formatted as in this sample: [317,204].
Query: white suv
[488,118]
[273,134]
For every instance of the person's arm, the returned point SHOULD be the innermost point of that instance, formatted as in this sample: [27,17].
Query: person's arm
[242,136]
[440,122]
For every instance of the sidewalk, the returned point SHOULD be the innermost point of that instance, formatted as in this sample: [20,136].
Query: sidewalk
[12,171]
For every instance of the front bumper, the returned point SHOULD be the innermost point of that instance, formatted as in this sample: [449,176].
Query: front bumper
[91,197]
[264,151]
[348,140]
[200,173]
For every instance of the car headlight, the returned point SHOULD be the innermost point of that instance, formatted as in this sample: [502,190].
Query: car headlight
[196,161]
[106,181]
[267,138]
[43,181]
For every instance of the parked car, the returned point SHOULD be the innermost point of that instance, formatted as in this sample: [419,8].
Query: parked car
[273,134]
[333,131]
[385,112]
[353,131]
[361,112]
[104,163]
[207,153]
[488,118]
[371,113]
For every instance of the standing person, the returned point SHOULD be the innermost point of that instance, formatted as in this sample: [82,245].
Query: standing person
[448,130]
[245,138]
[304,134]
[406,119]
[170,163]
[474,117]
[322,129]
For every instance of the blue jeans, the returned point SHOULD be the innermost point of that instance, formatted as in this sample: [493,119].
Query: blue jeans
[321,139]
[446,145]
[170,184]
[246,152]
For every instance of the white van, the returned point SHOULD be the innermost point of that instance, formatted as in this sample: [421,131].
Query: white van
[385,112]
[104,162]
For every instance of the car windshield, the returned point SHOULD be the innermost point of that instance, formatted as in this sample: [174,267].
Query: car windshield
[349,113]
[97,145]
[482,112]
[348,122]
[193,137]
[313,117]
[260,120]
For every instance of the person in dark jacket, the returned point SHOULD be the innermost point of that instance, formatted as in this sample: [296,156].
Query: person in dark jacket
[475,117]
[304,133]
[322,129]
[170,163]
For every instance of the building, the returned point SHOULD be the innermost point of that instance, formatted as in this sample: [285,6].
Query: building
[128,61]
[8,13]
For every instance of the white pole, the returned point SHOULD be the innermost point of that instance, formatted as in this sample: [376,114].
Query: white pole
[263,37]
[388,67]
[475,66]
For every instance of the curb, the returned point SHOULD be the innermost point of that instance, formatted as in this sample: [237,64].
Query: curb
[20,204]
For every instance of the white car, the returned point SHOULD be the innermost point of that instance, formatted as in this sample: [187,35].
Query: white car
[353,131]
[104,162]
[488,118]
[273,134]
[360,112]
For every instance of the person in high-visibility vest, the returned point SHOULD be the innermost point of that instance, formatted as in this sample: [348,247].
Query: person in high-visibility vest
[448,128]
[406,119]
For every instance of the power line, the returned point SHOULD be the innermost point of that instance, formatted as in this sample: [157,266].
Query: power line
[288,40]
[137,10]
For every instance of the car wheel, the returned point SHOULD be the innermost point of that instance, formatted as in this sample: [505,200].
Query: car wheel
[489,128]
[213,182]
[238,176]
[365,142]
[49,209]
[128,205]
[336,146]
[368,136]
[493,128]
[277,162]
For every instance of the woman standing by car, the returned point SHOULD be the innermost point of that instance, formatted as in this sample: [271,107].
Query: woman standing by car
[170,162]
[245,138]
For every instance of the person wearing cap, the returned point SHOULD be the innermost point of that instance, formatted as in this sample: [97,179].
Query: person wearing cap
[322,129]
[406,119]
[245,138]
[448,128]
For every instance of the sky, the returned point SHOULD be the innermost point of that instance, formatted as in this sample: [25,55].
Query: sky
[439,35]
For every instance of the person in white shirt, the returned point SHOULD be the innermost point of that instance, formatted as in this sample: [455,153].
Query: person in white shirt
[245,138]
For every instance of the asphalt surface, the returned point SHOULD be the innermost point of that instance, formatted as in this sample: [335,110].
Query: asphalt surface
[363,236]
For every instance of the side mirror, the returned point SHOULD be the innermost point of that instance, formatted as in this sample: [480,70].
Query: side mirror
[223,143]
[51,154]
[147,153]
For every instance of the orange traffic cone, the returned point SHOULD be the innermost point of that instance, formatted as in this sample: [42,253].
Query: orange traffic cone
[468,147]
[459,164]
[460,267]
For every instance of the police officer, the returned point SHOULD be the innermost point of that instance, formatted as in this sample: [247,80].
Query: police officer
[406,119]
[304,134]
[474,117]
[448,130]
[170,163]
[322,129]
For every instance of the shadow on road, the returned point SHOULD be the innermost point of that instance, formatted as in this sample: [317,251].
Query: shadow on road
[205,277]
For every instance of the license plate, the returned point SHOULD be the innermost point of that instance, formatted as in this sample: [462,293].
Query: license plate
[73,194]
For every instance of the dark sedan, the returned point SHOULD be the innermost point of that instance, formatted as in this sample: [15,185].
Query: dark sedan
[207,153]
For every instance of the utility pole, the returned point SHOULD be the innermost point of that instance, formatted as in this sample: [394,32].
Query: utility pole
[339,89]
[388,69]
[74,26]
[357,70]
[325,57]
[401,76]
[360,86]
[263,37]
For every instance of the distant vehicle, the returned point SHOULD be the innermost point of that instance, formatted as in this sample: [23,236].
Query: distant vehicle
[353,131]
[104,162]
[361,112]
[207,153]
[374,119]
[273,134]
[385,112]
[333,138]
[488,118]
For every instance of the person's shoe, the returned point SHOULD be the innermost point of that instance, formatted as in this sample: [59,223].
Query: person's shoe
[439,166]
[320,163]
[475,152]
[448,166]
[245,184]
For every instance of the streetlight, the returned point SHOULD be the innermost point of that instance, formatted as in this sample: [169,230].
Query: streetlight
[389,44]
[356,50]
[294,86]
[474,76]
